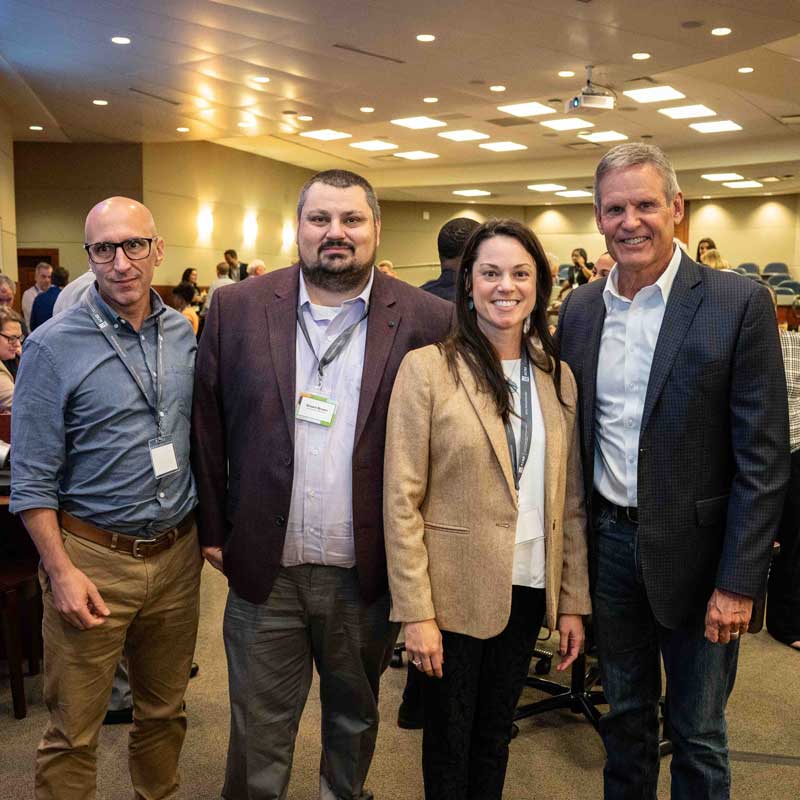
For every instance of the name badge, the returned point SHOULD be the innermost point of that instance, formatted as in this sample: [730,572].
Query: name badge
[316,408]
[162,456]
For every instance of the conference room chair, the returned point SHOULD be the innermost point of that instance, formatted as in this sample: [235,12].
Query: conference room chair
[784,289]
[776,279]
[750,267]
[775,267]
[793,285]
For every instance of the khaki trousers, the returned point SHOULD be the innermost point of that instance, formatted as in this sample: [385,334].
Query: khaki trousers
[154,605]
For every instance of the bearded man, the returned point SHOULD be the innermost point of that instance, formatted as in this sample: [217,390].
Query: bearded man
[295,371]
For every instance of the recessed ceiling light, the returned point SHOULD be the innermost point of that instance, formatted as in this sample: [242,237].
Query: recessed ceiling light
[568,124]
[603,136]
[426,37]
[289,113]
[260,79]
[706,197]
[745,70]
[722,176]
[503,147]
[366,109]
[654,94]
[374,144]
[472,193]
[35,128]
[326,135]
[247,123]
[120,40]
[416,155]
[465,135]
[546,187]
[430,99]
[566,73]
[531,109]
[720,31]
[640,56]
[574,193]
[418,123]
[182,130]
[769,179]
[687,112]
[305,118]
[498,87]
[743,184]
[100,102]
[719,126]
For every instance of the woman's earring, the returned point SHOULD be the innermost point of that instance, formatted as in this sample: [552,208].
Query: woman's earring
[470,304]
[526,326]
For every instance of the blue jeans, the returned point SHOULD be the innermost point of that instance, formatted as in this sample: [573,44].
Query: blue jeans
[700,677]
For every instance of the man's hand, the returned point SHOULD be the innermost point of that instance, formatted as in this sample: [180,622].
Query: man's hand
[214,556]
[77,600]
[424,646]
[727,616]
[570,628]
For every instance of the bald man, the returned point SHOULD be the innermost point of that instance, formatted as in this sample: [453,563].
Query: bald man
[102,480]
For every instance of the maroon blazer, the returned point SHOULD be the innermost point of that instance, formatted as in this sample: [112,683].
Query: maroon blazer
[243,421]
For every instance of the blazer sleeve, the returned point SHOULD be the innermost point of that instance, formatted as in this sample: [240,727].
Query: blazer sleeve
[574,593]
[209,458]
[760,440]
[405,483]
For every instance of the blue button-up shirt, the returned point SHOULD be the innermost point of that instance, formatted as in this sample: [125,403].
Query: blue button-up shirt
[320,525]
[627,345]
[81,426]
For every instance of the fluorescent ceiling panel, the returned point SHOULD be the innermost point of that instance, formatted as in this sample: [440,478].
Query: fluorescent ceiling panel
[415,155]
[503,147]
[687,112]
[465,135]
[568,124]
[722,176]
[603,136]
[418,123]
[574,193]
[654,94]
[546,187]
[471,193]
[326,135]
[374,144]
[719,126]
[532,109]
[743,184]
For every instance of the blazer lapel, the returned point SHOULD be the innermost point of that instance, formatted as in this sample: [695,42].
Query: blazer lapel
[589,381]
[382,324]
[684,299]
[281,311]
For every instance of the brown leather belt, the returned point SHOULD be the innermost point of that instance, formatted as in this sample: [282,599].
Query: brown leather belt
[138,548]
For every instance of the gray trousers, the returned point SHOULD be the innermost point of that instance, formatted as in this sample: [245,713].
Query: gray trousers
[314,614]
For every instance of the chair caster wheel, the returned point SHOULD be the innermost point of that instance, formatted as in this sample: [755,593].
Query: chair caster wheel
[543,666]
[397,660]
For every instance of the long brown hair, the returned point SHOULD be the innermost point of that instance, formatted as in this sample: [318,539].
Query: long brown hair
[471,344]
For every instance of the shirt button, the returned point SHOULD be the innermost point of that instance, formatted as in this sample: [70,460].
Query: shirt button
[115,325]
[161,413]
[629,423]
[315,451]
[141,337]
[630,459]
[632,387]
[310,492]
[161,494]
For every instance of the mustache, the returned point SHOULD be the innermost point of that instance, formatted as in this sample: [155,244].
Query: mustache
[338,244]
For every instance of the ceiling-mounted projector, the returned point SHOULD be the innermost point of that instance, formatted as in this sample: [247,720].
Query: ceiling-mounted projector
[591,98]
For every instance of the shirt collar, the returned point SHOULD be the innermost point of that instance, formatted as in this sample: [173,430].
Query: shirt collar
[663,284]
[304,301]
[157,307]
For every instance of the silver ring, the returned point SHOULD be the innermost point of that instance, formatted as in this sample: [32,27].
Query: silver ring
[417,663]
[734,634]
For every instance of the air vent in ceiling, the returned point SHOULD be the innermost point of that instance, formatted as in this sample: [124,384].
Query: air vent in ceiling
[792,119]
[510,122]
[582,146]
[451,117]
[153,96]
[351,49]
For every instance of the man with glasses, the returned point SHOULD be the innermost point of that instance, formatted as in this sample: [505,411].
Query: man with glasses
[106,492]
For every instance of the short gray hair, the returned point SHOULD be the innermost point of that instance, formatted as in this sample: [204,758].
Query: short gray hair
[5,280]
[635,154]
[341,179]
[42,265]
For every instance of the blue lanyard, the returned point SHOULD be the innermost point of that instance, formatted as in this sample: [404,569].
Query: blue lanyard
[518,461]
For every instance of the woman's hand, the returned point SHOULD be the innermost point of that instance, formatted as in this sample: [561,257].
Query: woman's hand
[424,646]
[570,628]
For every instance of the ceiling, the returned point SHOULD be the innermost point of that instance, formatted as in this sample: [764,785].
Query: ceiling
[191,64]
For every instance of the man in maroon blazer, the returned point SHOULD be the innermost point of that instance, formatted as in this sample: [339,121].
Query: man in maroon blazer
[294,373]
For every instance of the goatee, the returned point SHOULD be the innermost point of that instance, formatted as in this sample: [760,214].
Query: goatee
[332,278]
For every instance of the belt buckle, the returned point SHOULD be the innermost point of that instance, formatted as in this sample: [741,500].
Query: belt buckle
[135,549]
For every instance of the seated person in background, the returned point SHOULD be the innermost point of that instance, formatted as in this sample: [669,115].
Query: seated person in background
[702,246]
[256,267]
[44,303]
[223,279]
[482,447]
[182,295]
[386,267]
[581,271]
[10,348]
[602,267]
[7,291]
[712,258]
[190,276]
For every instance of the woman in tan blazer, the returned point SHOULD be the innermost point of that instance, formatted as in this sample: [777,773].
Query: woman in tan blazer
[10,347]
[483,507]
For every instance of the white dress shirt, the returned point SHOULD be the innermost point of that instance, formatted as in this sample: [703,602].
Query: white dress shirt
[320,525]
[28,296]
[627,345]
[529,551]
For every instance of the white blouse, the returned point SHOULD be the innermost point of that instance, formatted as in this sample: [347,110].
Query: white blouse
[529,553]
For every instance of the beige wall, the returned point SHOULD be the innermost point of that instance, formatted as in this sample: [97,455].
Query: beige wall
[563,228]
[57,184]
[8,217]
[182,181]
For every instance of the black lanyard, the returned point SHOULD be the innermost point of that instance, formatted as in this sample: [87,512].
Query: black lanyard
[526,414]
[111,338]
[336,346]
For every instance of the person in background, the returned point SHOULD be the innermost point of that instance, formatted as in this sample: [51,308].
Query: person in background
[712,258]
[42,279]
[602,267]
[386,267]
[7,290]
[581,271]
[702,246]
[237,270]
[483,510]
[450,243]
[190,276]
[223,279]
[43,305]
[256,267]
[182,296]
[73,293]
[11,339]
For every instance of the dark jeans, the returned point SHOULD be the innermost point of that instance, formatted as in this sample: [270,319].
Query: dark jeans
[783,597]
[700,677]
[469,711]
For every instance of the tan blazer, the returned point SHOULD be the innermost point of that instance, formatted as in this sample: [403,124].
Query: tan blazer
[450,505]
[6,388]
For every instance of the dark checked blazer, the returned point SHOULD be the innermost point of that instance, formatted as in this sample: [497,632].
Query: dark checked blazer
[713,452]
[243,421]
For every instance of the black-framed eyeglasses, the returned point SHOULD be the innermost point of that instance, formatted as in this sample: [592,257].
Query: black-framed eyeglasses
[13,339]
[105,252]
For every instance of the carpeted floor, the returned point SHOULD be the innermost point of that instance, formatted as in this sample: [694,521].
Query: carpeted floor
[557,756]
